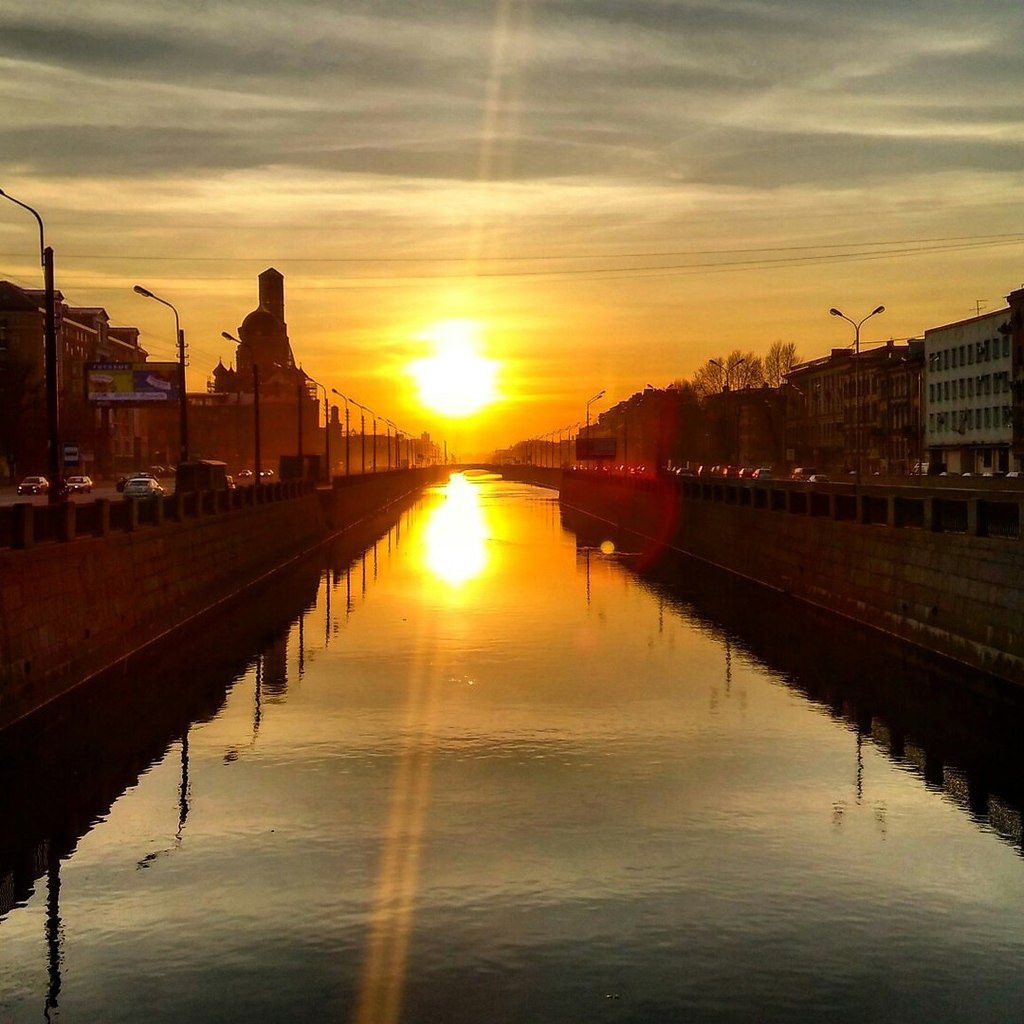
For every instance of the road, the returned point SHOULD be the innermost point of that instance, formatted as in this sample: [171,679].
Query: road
[9,495]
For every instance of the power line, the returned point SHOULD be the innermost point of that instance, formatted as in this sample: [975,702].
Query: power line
[1002,238]
[605,273]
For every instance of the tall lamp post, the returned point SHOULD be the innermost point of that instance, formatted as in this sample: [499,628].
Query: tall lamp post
[373,416]
[347,432]
[327,426]
[255,405]
[856,372]
[391,423]
[590,402]
[182,397]
[727,370]
[53,459]
[362,434]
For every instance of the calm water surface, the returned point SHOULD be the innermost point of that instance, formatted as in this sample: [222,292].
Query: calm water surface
[484,772]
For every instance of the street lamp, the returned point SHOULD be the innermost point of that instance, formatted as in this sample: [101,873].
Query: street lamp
[182,403]
[299,374]
[53,459]
[856,370]
[345,400]
[590,402]
[327,426]
[391,423]
[362,434]
[373,416]
[727,370]
[255,404]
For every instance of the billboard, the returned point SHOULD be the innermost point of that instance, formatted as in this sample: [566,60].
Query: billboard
[131,383]
[595,447]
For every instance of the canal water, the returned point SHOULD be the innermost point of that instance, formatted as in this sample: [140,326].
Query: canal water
[493,764]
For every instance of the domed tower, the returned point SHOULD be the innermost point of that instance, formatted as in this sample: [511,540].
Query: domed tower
[223,379]
[264,330]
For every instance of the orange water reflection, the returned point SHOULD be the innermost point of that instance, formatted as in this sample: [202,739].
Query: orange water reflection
[455,537]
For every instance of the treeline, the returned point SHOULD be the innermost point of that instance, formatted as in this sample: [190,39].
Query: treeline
[739,370]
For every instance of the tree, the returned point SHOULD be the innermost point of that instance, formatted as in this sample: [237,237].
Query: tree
[735,371]
[781,358]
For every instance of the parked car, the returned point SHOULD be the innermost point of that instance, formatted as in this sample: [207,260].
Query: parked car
[817,478]
[764,473]
[78,485]
[803,473]
[246,474]
[125,477]
[144,488]
[34,485]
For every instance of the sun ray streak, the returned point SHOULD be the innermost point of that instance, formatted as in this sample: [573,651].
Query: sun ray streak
[382,981]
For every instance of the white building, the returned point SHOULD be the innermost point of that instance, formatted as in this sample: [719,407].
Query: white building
[968,404]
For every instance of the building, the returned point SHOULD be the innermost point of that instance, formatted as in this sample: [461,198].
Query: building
[846,411]
[107,439]
[1015,330]
[969,425]
[745,427]
[221,420]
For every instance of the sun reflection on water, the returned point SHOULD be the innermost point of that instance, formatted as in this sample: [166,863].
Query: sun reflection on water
[456,534]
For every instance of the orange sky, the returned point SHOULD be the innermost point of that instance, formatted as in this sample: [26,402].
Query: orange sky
[616,195]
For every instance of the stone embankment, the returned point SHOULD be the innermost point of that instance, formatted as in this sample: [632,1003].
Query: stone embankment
[85,586]
[942,568]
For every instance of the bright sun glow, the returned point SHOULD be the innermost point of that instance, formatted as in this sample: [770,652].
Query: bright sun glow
[456,534]
[456,380]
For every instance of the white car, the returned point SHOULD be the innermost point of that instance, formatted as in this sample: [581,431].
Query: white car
[144,488]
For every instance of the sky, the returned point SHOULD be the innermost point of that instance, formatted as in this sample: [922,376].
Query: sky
[613,192]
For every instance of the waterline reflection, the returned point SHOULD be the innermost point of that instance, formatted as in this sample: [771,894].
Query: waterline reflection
[455,537]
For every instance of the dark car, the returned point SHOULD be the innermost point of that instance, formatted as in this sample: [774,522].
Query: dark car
[78,485]
[34,485]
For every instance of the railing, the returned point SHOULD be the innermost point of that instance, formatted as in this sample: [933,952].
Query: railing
[996,514]
[25,525]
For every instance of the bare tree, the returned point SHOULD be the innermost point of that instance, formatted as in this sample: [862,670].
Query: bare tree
[781,358]
[737,370]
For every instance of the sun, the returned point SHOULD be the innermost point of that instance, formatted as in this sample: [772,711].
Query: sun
[456,380]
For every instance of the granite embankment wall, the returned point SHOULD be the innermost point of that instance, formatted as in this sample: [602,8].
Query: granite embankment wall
[940,568]
[84,586]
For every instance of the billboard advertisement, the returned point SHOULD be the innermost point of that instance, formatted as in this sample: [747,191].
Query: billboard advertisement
[131,383]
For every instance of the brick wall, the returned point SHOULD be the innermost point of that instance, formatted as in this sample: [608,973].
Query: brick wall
[73,607]
[944,570]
